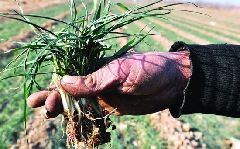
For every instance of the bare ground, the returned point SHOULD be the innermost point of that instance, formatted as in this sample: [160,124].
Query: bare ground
[27,5]
[186,35]
[212,23]
[121,41]
[25,36]
[221,14]
[179,135]
[157,36]
[216,36]
[39,132]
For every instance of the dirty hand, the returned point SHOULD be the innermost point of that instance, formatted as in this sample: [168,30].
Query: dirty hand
[138,83]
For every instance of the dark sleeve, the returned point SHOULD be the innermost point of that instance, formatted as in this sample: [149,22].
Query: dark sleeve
[214,86]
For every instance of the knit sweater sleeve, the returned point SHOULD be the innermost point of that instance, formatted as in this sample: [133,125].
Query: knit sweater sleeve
[214,86]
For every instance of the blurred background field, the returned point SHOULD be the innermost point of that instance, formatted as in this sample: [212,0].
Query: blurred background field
[221,24]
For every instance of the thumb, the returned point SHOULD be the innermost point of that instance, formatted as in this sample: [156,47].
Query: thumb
[90,85]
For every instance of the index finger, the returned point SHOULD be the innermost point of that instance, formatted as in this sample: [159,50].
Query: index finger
[37,99]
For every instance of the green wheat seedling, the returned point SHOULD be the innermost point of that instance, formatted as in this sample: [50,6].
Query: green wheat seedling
[78,49]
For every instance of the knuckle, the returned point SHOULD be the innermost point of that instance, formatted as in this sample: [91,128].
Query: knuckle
[90,81]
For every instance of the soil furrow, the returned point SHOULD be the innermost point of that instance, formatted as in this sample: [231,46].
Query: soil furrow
[27,5]
[182,33]
[199,30]
[157,36]
[210,24]
[121,41]
[25,36]
[221,14]
[212,21]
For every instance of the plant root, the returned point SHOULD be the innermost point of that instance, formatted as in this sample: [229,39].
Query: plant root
[86,132]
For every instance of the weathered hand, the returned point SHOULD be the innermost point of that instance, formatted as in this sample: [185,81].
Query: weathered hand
[138,83]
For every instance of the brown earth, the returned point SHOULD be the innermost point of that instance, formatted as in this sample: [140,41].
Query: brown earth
[180,135]
[186,35]
[211,23]
[39,132]
[121,41]
[164,41]
[216,36]
[25,36]
[221,14]
[27,5]
[157,36]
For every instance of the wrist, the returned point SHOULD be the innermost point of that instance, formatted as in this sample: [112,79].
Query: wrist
[183,64]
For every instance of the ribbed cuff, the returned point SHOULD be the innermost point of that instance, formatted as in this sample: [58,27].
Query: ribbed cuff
[214,84]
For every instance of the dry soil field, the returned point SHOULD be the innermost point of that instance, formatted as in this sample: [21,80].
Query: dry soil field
[216,25]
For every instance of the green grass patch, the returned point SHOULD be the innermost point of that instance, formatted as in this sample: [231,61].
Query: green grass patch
[182,21]
[135,132]
[149,44]
[170,35]
[227,21]
[215,129]
[182,25]
[11,28]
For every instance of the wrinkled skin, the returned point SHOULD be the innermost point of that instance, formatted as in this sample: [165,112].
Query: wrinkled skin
[138,83]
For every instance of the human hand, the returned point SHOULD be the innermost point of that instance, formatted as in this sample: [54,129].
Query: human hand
[138,83]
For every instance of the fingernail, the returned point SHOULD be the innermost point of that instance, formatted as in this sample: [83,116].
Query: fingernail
[69,79]
[47,115]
